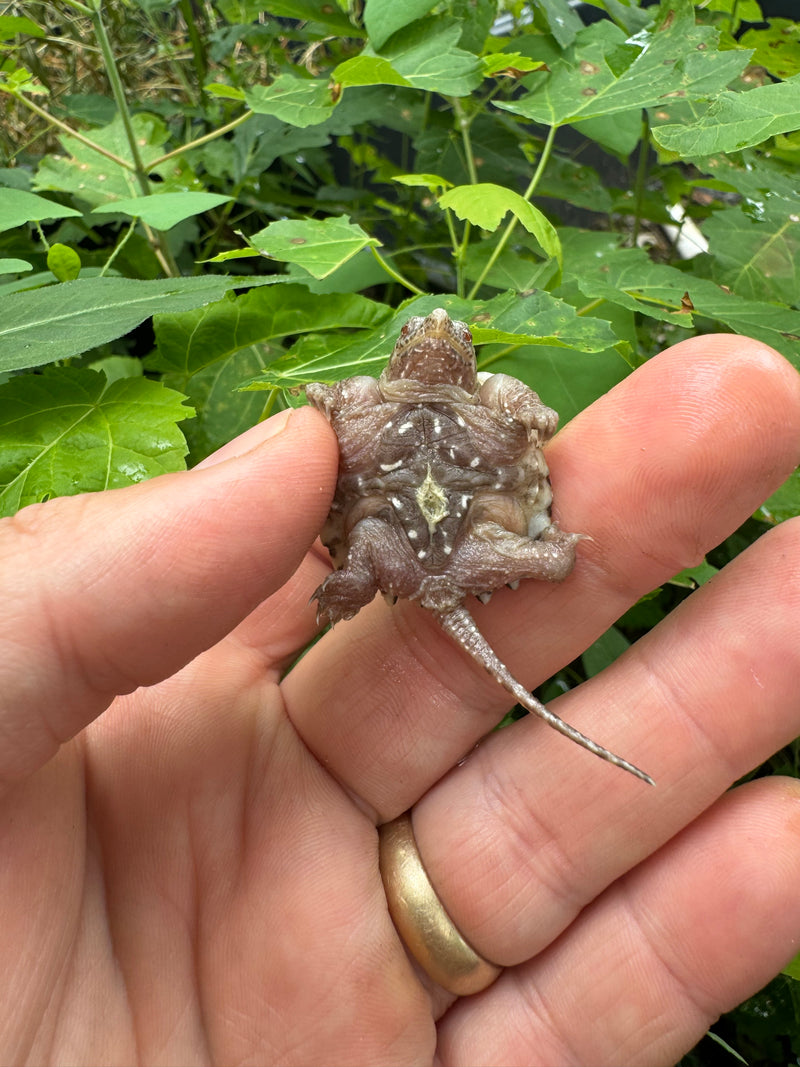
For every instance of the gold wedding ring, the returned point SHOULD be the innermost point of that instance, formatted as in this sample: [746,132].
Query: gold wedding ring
[421,919]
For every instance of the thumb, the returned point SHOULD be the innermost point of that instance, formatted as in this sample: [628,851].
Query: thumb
[106,592]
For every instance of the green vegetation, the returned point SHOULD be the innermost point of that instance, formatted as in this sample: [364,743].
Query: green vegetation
[203,206]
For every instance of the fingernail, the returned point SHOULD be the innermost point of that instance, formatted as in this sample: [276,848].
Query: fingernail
[249,440]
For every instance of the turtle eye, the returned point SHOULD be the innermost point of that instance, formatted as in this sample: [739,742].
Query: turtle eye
[466,336]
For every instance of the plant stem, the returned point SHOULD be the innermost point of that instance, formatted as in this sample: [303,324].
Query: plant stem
[501,244]
[156,237]
[398,277]
[198,47]
[201,140]
[641,177]
[120,162]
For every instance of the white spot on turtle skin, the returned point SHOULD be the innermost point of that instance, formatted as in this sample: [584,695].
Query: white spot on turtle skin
[465,499]
[392,466]
[389,425]
[422,553]
[451,453]
[396,502]
[497,485]
[460,421]
[412,535]
[437,425]
[475,462]
[447,549]
[406,427]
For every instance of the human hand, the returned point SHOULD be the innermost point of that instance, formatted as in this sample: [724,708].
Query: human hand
[191,875]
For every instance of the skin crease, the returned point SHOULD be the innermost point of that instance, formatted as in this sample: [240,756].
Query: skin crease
[190,876]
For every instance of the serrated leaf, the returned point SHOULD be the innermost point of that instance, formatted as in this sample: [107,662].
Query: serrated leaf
[299,101]
[207,353]
[70,430]
[64,262]
[736,120]
[18,207]
[99,180]
[367,70]
[382,18]
[164,210]
[537,318]
[320,246]
[426,53]
[627,276]
[603,73]
[485,205]
[43,325]
[757,255]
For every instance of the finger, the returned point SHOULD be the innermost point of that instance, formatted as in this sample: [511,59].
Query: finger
[657,471]
[650,965]
[107,592]
[523,836]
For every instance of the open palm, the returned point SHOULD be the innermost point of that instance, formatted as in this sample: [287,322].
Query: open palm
[190,871]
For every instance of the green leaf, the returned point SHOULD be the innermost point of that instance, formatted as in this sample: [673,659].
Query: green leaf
[736,120]
[758,256]
[608,647]
[207,353]
[299,101]
[603,73]
[322,12]
[98,180]
[476,17]
[784,502]
[382,18]
[792,969]
[426,54]
[18,207]
[11,25]
[485,205]
[319,246]
[561,20]
[537,318]
[64,262]
[776,48]
[43,325]
[627,276]
[14,266]
[692,577]
[432,182]
[367,70]
[70,430]
[164,210]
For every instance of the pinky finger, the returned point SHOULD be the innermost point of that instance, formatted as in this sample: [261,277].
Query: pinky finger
[651,964]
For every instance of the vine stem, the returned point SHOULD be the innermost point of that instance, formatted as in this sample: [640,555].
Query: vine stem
[201,140]
[157,238]
[532,184]
[398,277]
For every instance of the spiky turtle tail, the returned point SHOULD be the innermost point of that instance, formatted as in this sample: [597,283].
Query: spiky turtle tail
[460,625]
